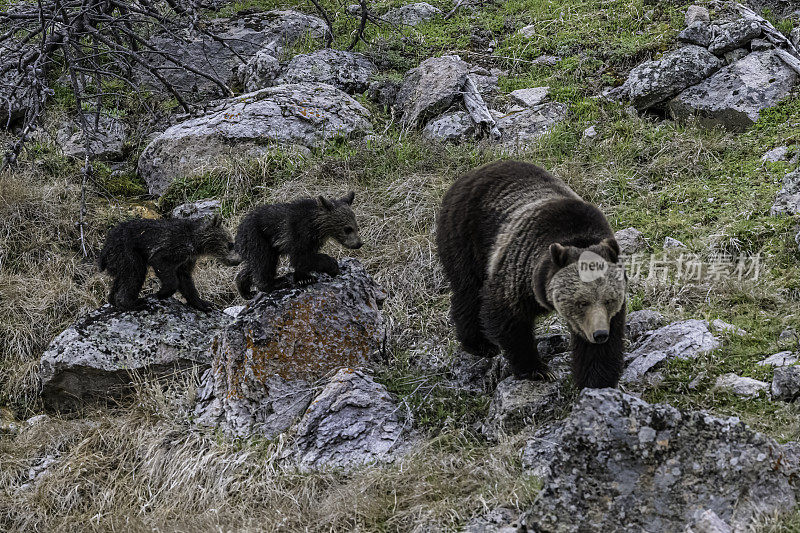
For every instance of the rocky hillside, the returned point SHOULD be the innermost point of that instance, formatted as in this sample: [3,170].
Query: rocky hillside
[346,404]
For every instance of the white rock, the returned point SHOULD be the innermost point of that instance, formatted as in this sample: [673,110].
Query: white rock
[529,97]
[740,386]
[786,358]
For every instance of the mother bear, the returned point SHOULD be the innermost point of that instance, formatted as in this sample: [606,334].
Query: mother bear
[517,243]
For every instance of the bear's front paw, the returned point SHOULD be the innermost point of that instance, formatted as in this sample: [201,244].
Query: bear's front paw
[203,305]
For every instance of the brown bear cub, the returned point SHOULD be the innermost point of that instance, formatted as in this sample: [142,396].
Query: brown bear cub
[297,229]
[171,247]
[517,243]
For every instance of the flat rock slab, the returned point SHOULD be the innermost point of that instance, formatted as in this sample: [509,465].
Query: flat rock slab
[735,95]
[787,201]
[522,127]
[107,136]
[268,361]
[304,114]
[93,359]
[456,126]
[655,82]
[529,97]
[743,387]
[625,465]
[786,358]
[348,71]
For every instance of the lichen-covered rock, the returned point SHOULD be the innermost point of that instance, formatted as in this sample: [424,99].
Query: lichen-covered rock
[266,363]
[630,241]
[741,386]
[786,358]
[456,126]
[93,359]
[522,127]
[351,422]
[786,383]
[698,33]
[695,13]
[261,70]
[304,114]
[628,466]
[518,403]
[733,35]
[682,340]
[244,35]
[348,71]
[107,137]
[432,87]
[735,95]
[787,202]
[655,82]
[411,14]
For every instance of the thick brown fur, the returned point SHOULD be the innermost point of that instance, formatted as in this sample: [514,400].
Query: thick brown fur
[509,236]
[298,230]
[171,248]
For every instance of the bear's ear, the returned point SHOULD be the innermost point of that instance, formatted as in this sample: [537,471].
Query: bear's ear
[349,198]
[559,254]
[325,203]
[612,246]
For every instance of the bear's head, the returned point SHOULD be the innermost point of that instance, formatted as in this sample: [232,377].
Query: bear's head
[588,287]
[215,240]
[338,221]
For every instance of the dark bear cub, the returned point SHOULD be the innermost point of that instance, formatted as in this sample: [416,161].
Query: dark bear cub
[297,229]
[171,247]
[517,243]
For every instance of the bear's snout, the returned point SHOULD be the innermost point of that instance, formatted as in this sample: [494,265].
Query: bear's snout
[600,336]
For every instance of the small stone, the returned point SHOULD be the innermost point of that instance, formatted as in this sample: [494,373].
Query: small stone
[735,55]
[456,126]
[695,13]
[720,325]
[669,242]
[529,97]
[776,154]
[708,522]
[234,310]
[785,358]
[786,383]
[589,135]
[740,386]
[528,31]
[630,241]
[638,323]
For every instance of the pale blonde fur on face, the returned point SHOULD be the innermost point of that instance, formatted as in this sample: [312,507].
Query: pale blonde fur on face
[588,306]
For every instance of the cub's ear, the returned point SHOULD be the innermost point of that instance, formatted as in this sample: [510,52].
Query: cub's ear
[325,203]
[612,246]
[349,198]
[559,254]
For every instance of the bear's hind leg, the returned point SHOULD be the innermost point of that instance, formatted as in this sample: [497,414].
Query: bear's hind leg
[189,291]
[244,283]
[263,272]
[465,312]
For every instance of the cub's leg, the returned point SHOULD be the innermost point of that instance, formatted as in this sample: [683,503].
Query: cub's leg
[244,283]
[128,283]
[189,291]
[304,264]
[263,270]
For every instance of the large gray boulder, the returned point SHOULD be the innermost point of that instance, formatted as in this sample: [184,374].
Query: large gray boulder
[348,71]
[304,114]
[735,95]
[787,202]
[351,422]
[625,465]
[243,35]
[267,363]
[431,88]
[411,14]
[654,82]
[107,137]
[95,357]
[682,340]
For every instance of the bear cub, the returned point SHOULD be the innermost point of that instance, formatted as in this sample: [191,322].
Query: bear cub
[517,243]
[172,248]
[297,229]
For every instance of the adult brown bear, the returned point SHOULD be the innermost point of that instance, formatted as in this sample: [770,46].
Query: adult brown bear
[517,243]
